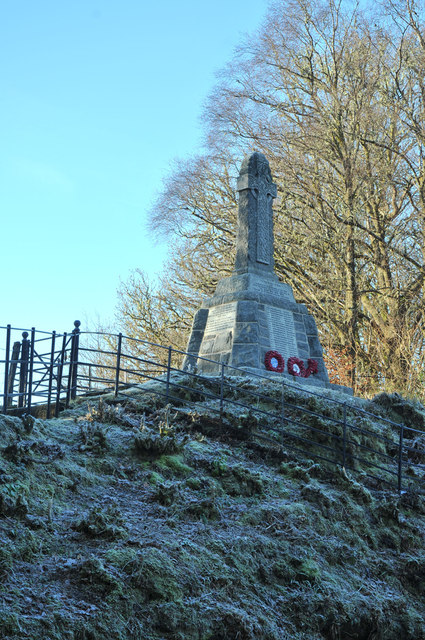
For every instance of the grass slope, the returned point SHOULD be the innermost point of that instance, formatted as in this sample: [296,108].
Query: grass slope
[122,519]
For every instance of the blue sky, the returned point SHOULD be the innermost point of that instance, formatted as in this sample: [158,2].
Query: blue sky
[97,99]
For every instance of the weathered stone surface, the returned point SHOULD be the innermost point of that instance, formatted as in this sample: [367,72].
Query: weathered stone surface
[251,312]
[207,347]
[196,336]
[310,325]
[315,348]
[247,311]
[259,286]
[222,342]
[303,351]
[243,355]
[200,320]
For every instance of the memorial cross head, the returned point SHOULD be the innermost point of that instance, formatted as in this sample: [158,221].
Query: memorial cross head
[254,250]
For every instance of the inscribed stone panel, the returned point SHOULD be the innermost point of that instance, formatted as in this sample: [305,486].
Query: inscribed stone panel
[282,331]
[221,318]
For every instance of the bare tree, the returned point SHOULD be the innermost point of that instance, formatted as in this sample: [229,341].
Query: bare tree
[335,99]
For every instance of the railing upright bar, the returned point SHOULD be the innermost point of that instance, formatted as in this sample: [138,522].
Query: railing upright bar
[75,349]
[222,393]
[73,364]
[400,460]
[6,368]
[117,373]
[23,373]
[12,371]
[282,406]
[52,360]
[70,372]
[31,369]
[60,373]
[68,385]
[167,388]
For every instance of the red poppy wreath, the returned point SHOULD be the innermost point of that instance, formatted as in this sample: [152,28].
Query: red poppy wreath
[312,367]
[296,367]
[274,361]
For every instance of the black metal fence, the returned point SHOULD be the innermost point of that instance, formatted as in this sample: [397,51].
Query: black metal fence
[51,369]
[39,368]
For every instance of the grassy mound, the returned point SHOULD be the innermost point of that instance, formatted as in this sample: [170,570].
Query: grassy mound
[124,519]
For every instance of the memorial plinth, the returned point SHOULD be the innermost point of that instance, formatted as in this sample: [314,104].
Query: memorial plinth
[252,312]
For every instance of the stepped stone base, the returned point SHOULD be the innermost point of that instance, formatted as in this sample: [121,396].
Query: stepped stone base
[248,315]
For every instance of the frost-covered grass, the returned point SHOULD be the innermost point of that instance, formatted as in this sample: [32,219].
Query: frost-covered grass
[126,519]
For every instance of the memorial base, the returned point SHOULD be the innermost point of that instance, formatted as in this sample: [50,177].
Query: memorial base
[248,315]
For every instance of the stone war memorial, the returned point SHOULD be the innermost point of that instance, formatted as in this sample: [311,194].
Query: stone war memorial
[252,322]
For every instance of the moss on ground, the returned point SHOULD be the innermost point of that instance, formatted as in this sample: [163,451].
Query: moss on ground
[125,519]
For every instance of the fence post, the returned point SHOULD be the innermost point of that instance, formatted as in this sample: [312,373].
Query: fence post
[74,358]
[400,458]
[117,373]
[52,360]
[282,405]
[31,370]
[60,372]
[222,393]
[12,372]
[6,368]
[344,441]
[167,389]
[71,392]
[23,372]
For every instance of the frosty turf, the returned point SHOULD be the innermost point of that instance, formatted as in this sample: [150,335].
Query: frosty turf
[223,538]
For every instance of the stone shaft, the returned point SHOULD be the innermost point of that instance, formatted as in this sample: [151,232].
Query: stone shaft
[254,240]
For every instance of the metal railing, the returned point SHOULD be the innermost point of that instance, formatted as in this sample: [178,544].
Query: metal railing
[52,369]
[40,368]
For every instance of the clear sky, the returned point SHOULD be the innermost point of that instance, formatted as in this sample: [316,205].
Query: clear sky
[97,98]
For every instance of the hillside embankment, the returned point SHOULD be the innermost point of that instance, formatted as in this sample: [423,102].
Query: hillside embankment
[125,519]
